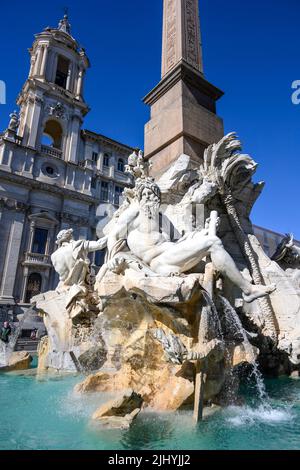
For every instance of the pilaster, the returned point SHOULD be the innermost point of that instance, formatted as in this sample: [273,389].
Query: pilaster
[44,61]
[35,121]
[12,257]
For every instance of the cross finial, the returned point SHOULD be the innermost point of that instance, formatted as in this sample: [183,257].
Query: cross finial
[64,24]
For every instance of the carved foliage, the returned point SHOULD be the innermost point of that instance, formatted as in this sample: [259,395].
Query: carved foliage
[58,110]
[12,204]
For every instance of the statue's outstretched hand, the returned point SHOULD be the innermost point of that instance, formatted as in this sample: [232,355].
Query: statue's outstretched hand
[117,265]
[208,222]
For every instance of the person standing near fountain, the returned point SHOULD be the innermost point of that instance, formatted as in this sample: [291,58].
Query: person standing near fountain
[5,332]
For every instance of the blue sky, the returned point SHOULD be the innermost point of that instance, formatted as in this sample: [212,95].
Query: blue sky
[251,51]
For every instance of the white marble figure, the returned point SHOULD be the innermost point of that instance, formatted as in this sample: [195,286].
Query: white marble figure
[71,260]
[137,166]
[138,224]
[14,121]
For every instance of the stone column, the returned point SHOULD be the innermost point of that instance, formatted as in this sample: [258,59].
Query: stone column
[35,69]
[24,286]
[32,64]
[69,78]
[38,63]
[111,192]
[12,257]
[112,171]
[79,84]
[31,235]
[44,61]
[101,158]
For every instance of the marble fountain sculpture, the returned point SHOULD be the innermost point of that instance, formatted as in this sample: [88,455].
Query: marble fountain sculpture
[185,298]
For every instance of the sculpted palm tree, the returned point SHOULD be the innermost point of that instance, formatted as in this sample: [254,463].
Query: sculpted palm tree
[225,170]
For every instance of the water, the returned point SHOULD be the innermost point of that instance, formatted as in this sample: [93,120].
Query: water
[45,413]
[3,360]
[235,322]
[215,325]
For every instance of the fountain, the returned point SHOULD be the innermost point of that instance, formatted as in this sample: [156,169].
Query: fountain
[179,254]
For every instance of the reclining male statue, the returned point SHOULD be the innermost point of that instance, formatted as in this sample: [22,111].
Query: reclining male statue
[138,226]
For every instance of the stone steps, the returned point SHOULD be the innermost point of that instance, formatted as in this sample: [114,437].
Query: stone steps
[24,344]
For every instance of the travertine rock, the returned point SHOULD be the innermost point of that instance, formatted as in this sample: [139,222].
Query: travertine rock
[43,351]
[120,412]
[124,404]
[104,382]
[242,354]
[173,395]
[18,360]
[66,335]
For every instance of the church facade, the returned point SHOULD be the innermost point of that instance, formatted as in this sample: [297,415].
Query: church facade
[53,174]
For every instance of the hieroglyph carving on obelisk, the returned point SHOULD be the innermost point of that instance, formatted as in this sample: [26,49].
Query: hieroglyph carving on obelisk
[181,35]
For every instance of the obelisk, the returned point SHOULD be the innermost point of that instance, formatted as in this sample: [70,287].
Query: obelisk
[183,104]
[181,35]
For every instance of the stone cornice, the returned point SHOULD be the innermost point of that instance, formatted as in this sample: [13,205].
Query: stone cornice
[51,90]
[13,204]
[58,36]
[49,188]
[43,215]
[183,71]
[89,135]
[75,219]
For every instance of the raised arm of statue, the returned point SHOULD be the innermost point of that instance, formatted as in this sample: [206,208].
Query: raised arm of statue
[98,245]
[120,229]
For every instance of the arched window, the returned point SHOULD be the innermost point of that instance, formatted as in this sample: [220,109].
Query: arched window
[34,286]
[121,165]
[52,135]
[61,77]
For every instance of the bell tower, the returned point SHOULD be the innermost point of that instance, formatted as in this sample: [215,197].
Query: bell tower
[52,105]
[183,105]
